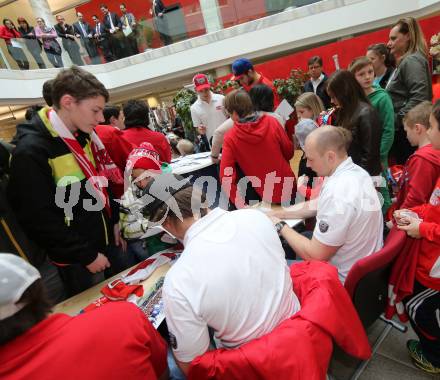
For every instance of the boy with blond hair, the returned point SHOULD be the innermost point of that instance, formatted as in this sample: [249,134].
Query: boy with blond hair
[423,167]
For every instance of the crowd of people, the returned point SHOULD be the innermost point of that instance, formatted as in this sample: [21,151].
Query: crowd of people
[114,35]
[236,280]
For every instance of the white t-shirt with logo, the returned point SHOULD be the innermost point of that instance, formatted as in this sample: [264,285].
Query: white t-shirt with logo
[231,277]
[349,215]
[209,115]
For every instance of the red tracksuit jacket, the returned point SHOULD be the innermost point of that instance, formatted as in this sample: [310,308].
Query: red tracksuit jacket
[419,177]
[299,348]
[259,148]
[428,263]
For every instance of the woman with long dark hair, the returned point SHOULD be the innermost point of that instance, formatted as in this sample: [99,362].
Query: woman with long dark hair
[8,32]
[411,82]
[50,44]
[383,63]
[33,45]
[355,113]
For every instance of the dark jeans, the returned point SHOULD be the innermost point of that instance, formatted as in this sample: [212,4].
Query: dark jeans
[52,282]
[55,59]
[19,57]
[422,307]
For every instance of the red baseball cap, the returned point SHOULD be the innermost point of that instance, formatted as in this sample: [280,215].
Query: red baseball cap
[201,82]
[144,157]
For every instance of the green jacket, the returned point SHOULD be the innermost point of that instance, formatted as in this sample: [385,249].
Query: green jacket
[382,102]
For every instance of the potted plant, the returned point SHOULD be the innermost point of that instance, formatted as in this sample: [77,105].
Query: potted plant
[225,87]
[291,87]
[182,102]
[434,51]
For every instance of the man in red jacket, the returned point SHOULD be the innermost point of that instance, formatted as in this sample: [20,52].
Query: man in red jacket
[137,131]
[245,74]
[34,344]
[423,307]
[259,146]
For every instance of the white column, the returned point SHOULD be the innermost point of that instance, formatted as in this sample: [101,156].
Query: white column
[41,8]
[211,15]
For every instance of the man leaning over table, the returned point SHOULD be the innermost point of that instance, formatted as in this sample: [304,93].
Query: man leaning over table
[224,251]
[349,223]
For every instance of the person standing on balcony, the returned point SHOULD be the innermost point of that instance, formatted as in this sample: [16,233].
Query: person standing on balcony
[128,22]
[158,11]
[411,82]
[113,26]
[84,32]
[67,34]
[247,77]
[102,39]
[33,45]
[207,112]
[317,81]
[50,44]
[8,31]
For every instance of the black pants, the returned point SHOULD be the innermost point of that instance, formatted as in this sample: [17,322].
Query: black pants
[77,278]
[423,308]
[104,44]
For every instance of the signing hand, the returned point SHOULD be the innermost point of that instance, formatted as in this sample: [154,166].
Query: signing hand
[411,227]
[101,263]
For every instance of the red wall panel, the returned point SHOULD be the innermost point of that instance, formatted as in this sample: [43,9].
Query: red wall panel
[346,50]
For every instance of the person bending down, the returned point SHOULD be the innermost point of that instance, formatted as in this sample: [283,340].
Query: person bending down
[232,276]
[349,223]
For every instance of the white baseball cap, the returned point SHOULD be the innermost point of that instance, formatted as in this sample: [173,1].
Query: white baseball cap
[16,275]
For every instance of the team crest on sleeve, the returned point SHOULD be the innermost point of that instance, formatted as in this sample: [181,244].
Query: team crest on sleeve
[173,341]
[323,226]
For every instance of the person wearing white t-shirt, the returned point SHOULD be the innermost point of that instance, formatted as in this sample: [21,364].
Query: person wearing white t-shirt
[349,223]
[232,276]
[207,112]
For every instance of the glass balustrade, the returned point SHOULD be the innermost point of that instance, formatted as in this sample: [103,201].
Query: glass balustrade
[80,32]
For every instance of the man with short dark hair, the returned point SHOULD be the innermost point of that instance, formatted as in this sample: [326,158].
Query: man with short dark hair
[245,74]
[37,345]
[54,187]
[102,37]
[317,81]
[231,278]
[137,131]
[67,34]
[113,26]
[84,32]
[349,223]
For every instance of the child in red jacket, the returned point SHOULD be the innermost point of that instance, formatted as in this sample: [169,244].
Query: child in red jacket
[258,146]
[424,304]
[423,167]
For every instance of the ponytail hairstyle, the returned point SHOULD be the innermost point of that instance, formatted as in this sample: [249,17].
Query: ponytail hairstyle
[382,50]
[417,42]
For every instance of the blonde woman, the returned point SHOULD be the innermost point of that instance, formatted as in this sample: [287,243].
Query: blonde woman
[411,82]
[308,107]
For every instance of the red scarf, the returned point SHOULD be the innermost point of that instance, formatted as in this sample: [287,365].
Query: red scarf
[105,167]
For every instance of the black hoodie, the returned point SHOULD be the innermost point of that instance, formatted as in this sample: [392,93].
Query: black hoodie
[34,173]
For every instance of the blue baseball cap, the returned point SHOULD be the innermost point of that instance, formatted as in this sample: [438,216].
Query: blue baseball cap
[241,66]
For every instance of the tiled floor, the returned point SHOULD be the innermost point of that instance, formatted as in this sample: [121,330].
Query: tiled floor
[390,361]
